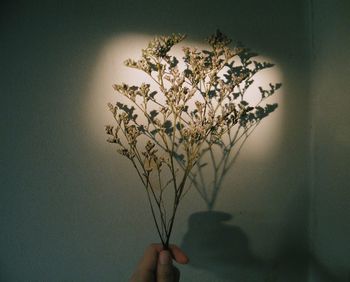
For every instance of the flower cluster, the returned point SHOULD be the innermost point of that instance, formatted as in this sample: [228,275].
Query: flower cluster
[190,110]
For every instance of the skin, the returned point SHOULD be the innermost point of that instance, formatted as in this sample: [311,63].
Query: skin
[156,265]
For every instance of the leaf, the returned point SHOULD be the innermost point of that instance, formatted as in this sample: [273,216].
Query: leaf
[278,85]
[154,131]
[271,107]
[179,157]
[141,128]
[152,66]
[152,94]
[153,114]
[179,126]
[235,95]
[168,126]
[173,62]
[211,94]
[188,73]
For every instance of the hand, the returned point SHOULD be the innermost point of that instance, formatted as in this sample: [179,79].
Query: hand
[156,265]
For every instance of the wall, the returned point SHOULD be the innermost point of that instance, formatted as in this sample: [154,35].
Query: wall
[70,209]
[330,209]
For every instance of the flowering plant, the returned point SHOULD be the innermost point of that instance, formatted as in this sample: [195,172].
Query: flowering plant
[166,129]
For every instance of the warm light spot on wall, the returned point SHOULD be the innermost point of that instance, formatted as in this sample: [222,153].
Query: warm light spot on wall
[110,69]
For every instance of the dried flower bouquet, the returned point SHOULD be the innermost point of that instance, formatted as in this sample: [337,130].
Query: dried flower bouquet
[165,130]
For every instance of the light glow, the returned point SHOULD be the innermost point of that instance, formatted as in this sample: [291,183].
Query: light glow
[110,69]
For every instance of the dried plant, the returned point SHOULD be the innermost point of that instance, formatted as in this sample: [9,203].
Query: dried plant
[166,129]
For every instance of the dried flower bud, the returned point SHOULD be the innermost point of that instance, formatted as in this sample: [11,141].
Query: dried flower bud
[149,146]
[109,129]
[218,40]
[130,63]
[199,106]
[112,140]
[150,165]
[127,153]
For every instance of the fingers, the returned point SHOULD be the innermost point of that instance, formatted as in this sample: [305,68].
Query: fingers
[157,262]
[179,255]
[149,259]
[165,269]
[166,272]
[145,271]
[176,253]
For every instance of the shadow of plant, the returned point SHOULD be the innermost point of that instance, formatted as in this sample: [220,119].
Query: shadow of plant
[220,248]
[224,250]
[211,243]
[220,159]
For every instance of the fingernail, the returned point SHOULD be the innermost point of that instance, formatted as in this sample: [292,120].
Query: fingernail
[164,257]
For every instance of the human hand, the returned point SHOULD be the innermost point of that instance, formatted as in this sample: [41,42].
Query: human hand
[156,265]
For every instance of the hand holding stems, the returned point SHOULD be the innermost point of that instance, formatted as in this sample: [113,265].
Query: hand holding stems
[156,265]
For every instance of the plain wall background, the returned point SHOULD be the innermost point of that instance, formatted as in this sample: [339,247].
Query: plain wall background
[330,209]
[72,210]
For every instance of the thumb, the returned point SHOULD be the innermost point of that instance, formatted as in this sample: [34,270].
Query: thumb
[165,269]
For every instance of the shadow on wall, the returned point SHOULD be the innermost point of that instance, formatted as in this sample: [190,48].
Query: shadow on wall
[224,250]
[69,233]
[220,248]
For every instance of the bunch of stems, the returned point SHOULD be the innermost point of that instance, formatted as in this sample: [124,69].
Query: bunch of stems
[166,130]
